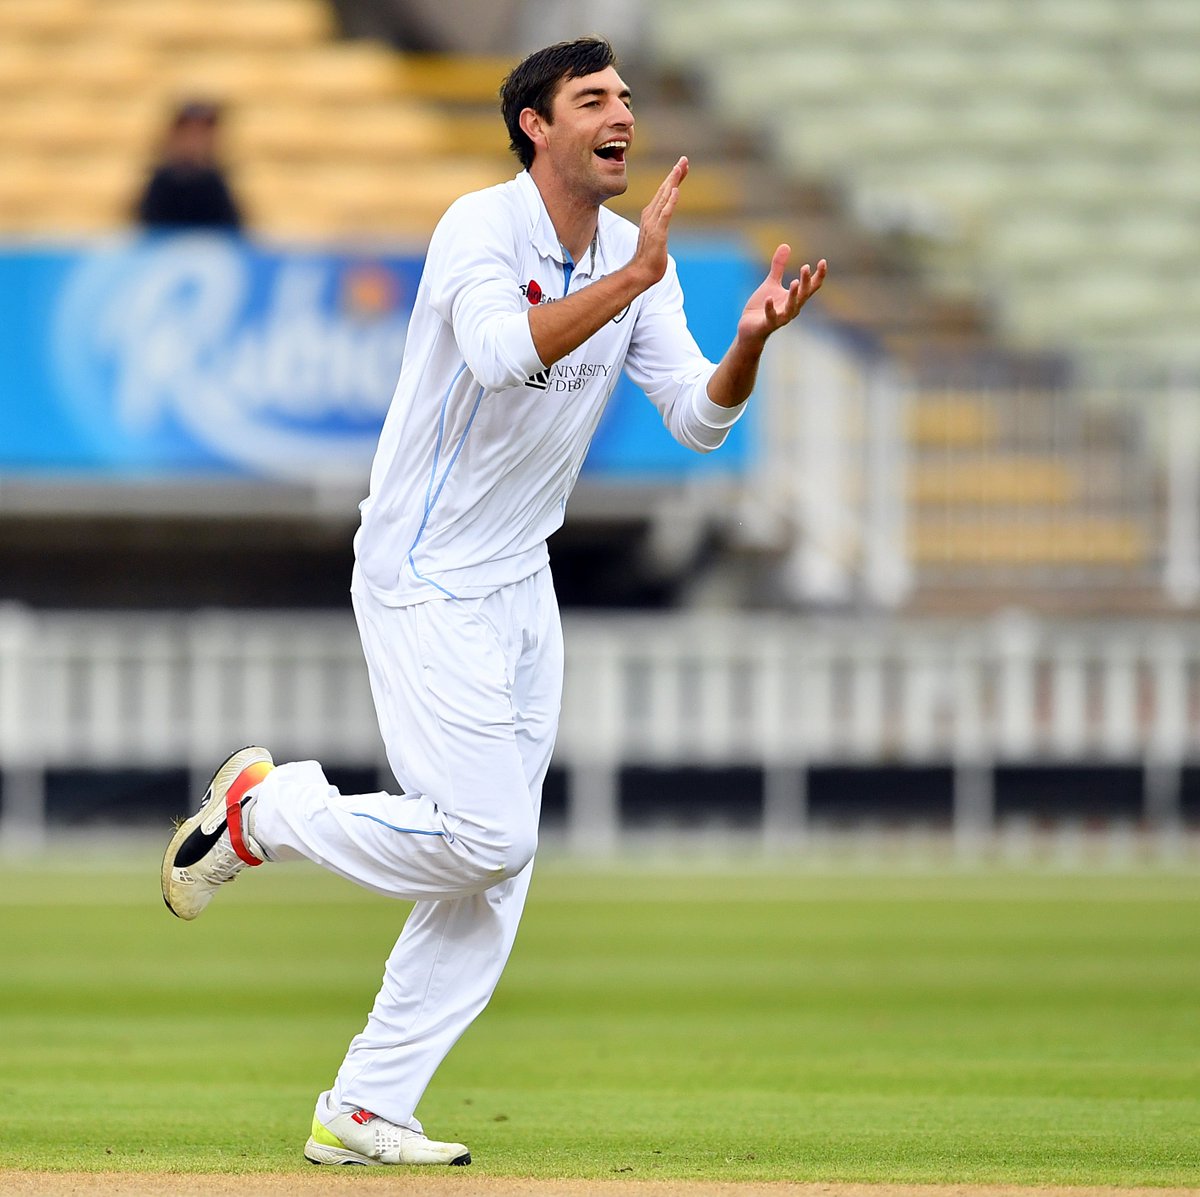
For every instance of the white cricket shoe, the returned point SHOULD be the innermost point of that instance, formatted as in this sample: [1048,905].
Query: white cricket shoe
[360,1137]
[215,844]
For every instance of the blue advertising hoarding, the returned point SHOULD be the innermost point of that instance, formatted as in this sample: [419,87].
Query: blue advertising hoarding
[164,357]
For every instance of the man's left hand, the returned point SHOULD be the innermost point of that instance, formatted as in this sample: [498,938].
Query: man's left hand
[773,305]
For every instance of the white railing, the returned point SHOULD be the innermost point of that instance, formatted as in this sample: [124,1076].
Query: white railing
[774,692]
[831,480]
[846,492]
[1181,555]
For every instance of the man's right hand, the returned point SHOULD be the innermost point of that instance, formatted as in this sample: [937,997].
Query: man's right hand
[650,257]
[558,328]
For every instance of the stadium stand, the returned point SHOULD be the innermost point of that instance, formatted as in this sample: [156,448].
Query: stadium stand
[1005,190]
[1044,147]
[318,128]
[921,146]
[1030,490]
[1036,167]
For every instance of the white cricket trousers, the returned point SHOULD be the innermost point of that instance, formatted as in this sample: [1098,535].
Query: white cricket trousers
[467,694]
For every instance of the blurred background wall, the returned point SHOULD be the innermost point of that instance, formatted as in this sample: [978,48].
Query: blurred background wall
[945,579]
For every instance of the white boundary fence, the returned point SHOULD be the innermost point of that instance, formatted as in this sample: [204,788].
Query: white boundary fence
[777,692]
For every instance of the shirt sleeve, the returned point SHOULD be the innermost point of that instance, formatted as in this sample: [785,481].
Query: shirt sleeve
[472,269]
[665,361]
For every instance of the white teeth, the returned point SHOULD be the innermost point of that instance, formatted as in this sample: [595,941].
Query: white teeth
[617,145]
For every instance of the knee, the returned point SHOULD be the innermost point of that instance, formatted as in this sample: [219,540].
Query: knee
[520,851]
[498,853]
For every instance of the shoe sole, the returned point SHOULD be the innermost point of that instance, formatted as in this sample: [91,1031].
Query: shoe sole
[319,1153]
[189,825]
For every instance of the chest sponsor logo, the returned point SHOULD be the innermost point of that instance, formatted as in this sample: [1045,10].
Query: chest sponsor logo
[568,376]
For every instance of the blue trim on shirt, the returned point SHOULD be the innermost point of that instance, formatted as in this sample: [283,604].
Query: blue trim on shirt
[431,495]
[437,448]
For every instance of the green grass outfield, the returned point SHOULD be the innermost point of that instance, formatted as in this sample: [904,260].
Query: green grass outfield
[1022,1027]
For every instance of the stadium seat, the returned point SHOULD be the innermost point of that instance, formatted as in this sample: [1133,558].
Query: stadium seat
[978,20]
[1091,20]
[91,64]
[38,19]
[386,129]
[453,79]
[1081,541]
[1006,131]
[950,420]
[75,190]
[341,199]
[69,122]
[989,481]
[259,24]
[686,30]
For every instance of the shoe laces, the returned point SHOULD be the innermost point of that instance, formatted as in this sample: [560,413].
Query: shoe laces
[225,863]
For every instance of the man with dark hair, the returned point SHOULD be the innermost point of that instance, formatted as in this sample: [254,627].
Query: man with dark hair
[533,84]
[533,298]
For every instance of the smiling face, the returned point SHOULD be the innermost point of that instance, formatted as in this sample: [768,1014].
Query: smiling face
[582,147]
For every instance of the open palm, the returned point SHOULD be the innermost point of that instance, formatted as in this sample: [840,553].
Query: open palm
[773,305]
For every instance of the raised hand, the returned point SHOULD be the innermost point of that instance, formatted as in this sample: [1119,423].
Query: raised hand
[773,305]
[770,307]
[651,253]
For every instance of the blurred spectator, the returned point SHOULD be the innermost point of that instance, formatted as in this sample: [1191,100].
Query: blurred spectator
[188,188]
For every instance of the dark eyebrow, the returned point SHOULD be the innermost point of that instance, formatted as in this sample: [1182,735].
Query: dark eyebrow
[624,94]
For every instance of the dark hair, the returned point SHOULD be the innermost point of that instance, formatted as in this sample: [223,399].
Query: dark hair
[535,82]
[197,111]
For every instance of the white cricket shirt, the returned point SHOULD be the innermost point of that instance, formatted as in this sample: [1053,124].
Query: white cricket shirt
[482,443]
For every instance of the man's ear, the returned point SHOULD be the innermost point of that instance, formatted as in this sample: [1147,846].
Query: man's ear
[533,126]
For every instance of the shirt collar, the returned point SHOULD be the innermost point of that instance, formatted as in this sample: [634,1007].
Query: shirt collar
[544,239]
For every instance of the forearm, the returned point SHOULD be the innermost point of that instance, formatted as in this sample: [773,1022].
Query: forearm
[733,379]
[559,328]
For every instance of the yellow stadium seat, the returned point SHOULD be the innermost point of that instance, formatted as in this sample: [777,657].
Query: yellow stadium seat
[454,79]
[1010,481]
[364,198]
[41,18]
[54,123]
[90,64]
[340,73]
[83,192]
[382,129]
[1078,541]
[958,421]
[253,24]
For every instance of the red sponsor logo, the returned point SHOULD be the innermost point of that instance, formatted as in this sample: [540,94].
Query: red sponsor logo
[533,292]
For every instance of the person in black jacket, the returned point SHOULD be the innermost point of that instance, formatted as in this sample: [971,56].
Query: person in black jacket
[188,189]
